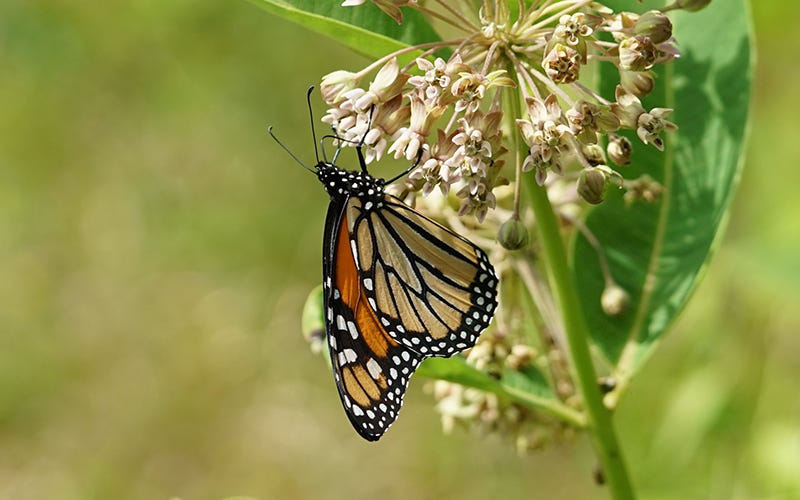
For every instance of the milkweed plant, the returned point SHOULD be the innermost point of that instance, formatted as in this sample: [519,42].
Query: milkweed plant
[592,148]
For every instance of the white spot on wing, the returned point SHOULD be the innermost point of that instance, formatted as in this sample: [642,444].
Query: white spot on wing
[374,368]
[347,356]
[352,328]
[355,252]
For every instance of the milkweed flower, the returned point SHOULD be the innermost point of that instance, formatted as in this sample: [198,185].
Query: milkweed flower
[547,136]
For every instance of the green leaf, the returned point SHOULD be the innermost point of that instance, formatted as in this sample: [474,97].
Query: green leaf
[528,380]
[657,252]
[364,28]
[313,322]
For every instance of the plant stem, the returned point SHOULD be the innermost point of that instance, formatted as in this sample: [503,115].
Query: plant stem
[600,424]
[577,333]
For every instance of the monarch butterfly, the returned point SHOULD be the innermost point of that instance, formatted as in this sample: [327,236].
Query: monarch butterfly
[398,288]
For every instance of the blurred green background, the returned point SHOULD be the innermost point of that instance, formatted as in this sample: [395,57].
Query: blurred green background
[156,248]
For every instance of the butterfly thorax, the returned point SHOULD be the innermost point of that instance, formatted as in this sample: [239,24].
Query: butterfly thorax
[342,184]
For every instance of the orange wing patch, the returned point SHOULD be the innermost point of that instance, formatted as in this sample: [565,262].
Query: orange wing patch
[362,377]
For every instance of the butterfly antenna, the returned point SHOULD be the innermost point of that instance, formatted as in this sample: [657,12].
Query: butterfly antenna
[311,116]
[295,158]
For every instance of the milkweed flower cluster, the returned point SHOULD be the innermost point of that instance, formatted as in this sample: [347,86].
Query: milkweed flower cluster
[399,115]
[452,114]
[487,413]
[511,82]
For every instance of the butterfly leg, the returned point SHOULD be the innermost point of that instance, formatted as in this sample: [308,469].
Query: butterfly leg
[409,169]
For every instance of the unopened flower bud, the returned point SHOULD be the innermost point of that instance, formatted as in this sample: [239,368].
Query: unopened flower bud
[654,25]
[637,83]
[337,83]
[607,384]
[594,154]
[637,53]
[520,357]
[614,300]
[513,234]
[619,149]
[388,83]
[592,185]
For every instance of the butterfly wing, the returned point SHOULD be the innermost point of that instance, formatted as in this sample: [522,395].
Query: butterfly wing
[371,368]
[398,288]
[432,290]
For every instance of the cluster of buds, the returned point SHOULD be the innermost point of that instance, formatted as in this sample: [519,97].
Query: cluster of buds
[486,413]
[476,410]
[561,130]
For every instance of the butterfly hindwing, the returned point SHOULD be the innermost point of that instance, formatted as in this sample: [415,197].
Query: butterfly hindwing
[371,369]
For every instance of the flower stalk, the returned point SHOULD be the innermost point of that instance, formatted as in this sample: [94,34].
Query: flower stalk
[577,334]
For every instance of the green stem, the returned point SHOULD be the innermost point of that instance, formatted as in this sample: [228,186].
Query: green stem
[577,333]
[600,424]
[457,371]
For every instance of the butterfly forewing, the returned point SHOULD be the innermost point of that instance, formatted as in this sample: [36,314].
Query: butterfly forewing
[432,290]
